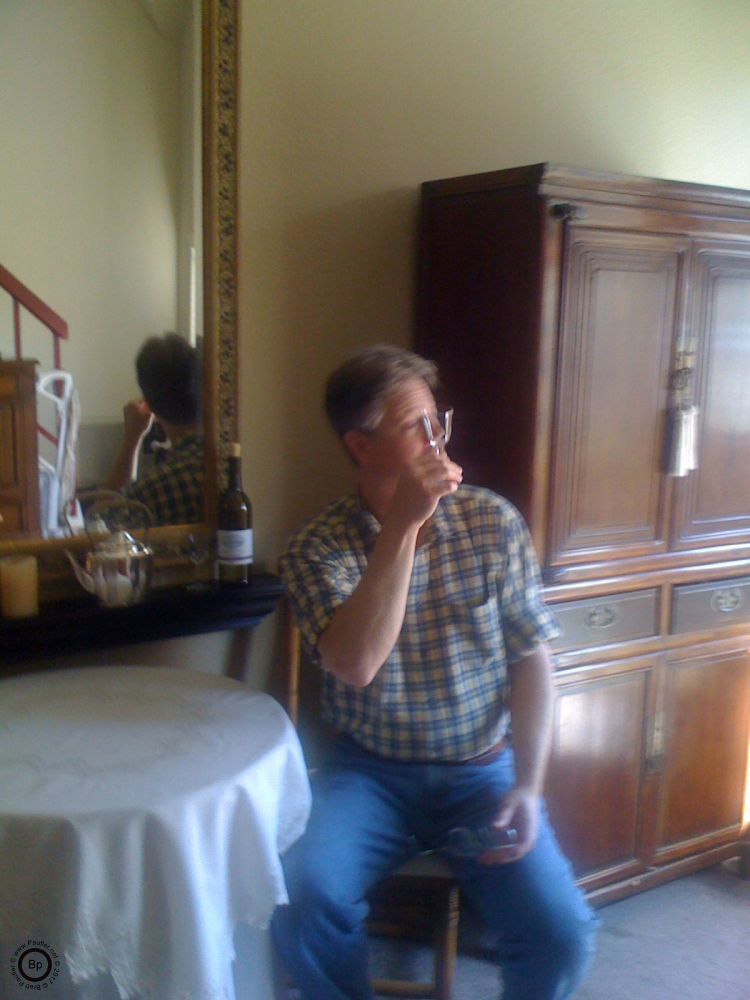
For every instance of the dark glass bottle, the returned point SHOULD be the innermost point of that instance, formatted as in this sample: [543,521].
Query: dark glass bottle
[234,537]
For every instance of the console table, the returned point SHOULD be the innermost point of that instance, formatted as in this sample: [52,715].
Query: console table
[82,623]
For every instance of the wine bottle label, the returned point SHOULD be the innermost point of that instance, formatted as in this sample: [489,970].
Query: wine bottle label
[235,546]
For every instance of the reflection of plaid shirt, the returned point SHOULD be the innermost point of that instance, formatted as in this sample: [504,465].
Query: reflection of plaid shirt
[474,606]
[173,489]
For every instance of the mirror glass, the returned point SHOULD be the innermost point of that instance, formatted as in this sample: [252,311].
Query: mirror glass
[101,207]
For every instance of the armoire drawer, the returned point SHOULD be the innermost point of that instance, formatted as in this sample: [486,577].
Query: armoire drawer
[598,621]
[710,605]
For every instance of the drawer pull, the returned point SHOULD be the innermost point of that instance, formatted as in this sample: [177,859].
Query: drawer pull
[727,601]
[606,619]
[602,616]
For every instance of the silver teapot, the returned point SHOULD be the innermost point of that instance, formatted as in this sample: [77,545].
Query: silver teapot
[118,567]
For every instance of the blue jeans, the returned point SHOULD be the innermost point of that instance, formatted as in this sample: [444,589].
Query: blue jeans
[368,816]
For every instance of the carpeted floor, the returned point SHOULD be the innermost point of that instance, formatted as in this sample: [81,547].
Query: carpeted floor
[687,940]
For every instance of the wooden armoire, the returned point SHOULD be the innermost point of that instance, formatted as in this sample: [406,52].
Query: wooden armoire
[581,321]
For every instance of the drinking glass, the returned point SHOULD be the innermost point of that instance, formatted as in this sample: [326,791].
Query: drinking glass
[437,429]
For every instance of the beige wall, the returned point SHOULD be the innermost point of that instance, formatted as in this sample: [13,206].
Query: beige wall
[347,105]
[89,182]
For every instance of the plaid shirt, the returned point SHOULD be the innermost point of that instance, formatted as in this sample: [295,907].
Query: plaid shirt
[474,606]
[173,489]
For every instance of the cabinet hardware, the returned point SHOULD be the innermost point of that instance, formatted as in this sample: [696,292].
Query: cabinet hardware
[727,601]
[683,440]
[683,371]
[681,379]
[602,616]
[683,425]
[566,212]
[655,744]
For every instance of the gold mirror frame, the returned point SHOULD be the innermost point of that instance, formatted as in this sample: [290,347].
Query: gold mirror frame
[175,545]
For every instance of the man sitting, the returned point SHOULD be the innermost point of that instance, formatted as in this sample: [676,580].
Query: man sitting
[420,599]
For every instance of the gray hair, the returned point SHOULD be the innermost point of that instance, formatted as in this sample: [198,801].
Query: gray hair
[355,391]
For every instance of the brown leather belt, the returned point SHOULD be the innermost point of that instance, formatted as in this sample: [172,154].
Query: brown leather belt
[488,756]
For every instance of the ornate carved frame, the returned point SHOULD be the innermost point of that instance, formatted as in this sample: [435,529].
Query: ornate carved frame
[220,95]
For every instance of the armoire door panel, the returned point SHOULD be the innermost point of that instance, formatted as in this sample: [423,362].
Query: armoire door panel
[713,501]
[621,311]
[707,713]
[595,776]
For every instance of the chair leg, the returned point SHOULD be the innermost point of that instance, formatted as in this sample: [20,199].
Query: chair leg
[446,943]
[445,946]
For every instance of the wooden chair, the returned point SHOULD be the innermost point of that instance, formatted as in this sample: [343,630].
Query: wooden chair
[420,900]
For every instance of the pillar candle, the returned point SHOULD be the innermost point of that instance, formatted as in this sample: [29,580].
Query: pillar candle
[19,596]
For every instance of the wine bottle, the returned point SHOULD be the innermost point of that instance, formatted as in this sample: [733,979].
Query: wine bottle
[234,537]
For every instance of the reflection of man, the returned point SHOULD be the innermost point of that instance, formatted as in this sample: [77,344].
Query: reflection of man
[168,375]
[419,597]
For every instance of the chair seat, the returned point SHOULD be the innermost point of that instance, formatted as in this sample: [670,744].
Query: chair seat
[428,865]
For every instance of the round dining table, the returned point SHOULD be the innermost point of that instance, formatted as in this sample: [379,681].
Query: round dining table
[143,812]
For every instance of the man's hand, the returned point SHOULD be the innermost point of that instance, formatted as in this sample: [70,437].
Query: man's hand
[137,419]
[520,810]
[365,627]
[421,486]
[531,717]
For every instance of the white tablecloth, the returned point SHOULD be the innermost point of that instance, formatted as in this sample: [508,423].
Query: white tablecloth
[142,814]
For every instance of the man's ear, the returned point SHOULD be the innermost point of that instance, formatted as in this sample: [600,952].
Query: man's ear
[357,444]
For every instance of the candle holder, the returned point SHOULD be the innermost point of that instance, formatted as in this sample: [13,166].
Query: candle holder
[19,586]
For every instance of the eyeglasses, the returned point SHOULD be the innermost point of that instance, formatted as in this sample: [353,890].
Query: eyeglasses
[437,429]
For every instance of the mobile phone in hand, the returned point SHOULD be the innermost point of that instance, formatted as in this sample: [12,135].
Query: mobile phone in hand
[468,842]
